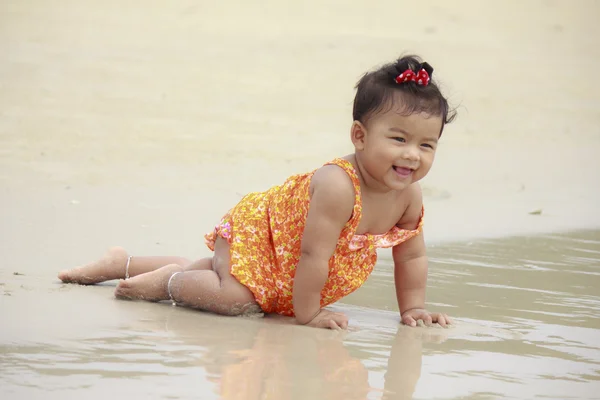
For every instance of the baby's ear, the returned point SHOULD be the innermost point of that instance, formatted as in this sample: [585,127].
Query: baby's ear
[358,133]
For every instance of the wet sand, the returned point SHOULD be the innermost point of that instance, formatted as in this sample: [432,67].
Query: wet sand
[527,327]
[139,124]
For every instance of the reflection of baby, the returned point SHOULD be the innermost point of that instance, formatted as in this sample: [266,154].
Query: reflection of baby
[272,358]
[305,244]
[345,377]
[284,364]
[262,374]
[405,362]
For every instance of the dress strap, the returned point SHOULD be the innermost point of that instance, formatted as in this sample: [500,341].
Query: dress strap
[351,171]
[389,239]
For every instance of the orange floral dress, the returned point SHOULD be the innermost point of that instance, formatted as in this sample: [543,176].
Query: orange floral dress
[265,229]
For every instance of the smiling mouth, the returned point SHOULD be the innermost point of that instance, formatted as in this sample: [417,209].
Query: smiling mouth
[403,171]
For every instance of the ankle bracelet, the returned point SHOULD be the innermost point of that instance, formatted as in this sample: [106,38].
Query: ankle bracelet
[127,267]
[169,288]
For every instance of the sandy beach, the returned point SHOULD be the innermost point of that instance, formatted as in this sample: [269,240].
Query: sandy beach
[140,123]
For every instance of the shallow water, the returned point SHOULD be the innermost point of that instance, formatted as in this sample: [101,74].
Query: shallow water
[527,326]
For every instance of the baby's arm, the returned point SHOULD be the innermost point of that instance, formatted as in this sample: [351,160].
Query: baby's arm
[331,205]
[410,268]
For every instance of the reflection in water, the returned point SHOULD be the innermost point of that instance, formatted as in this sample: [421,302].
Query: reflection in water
[529,311]
[528,326]
[290,363]
[270,360]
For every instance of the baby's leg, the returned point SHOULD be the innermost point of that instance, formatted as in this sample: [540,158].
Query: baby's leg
[214,290]
[113,265]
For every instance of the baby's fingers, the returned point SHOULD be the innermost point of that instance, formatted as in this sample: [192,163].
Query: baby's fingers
[333,325]
[448,320]
[341,320]
[443,320]
[408,320]
[426,318]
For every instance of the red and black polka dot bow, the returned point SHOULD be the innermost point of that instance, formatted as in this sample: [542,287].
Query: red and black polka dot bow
[420,78]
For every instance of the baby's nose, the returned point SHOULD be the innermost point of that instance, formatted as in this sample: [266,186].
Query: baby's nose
[411,154]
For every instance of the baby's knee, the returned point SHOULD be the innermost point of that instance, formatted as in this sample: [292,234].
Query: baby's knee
[249,309]
[174,268]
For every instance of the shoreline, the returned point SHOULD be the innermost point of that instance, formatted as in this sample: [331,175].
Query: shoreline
[174,220]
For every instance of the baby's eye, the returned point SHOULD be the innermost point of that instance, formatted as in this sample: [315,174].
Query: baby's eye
[427,145]
[400,139]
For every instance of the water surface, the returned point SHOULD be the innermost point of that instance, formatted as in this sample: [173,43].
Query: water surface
[527,326]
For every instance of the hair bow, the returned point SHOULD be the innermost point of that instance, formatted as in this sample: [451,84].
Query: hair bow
[420,78]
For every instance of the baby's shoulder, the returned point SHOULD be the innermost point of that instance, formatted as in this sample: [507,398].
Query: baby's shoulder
[333,179]
[412,200]
[413,195]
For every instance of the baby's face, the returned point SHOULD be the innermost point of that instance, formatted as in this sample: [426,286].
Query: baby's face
[399,150]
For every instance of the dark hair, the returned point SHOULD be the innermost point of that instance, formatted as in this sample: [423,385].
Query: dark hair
[376,90]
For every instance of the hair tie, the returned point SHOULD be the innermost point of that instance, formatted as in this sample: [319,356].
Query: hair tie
[420,78]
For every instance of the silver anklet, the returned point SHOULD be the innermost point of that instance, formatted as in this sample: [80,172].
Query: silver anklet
[169,288]
[127,267]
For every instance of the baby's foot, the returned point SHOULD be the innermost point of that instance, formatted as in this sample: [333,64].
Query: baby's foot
[110,266]
[151,286]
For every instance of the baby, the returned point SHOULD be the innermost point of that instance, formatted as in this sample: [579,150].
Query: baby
[307,243]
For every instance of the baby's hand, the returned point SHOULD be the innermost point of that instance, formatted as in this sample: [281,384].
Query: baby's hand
[329,320]
[410,317]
